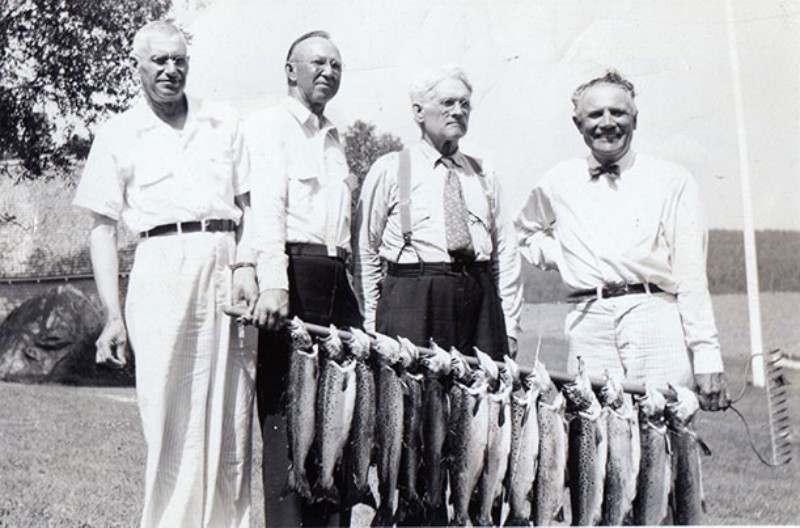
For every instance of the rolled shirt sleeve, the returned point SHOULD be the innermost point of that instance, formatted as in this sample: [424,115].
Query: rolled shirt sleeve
[101,190]
[268,191]
[371,215]
[687,237]
[534,229]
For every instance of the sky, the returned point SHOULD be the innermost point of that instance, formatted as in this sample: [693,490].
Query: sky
[525,58]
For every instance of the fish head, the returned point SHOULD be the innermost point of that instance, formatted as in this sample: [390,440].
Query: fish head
[579,393]
[489,368]
[540,381]
[409,355]
[512,370]
[439,363]
[299,337]
[611,393]
[680,410]
[332,345]
[652,404]
[460,369]
[387,349]
[359,344]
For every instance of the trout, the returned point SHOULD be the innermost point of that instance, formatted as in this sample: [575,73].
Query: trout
[336,397]
[622,466]
[467,435]
[435,369]
[655,474]
[548,488]
[523,457]
[389,426]
[586,461]
[688,502]
[410,504]
[498,444]
[301,394]
[362,432]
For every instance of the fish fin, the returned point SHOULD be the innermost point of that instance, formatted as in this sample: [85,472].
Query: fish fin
[297,482]
[703,446]
[560,516]
[477,407]
[326,494]
[410,507]
[383,517]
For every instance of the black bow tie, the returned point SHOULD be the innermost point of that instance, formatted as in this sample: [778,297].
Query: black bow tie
[596,172]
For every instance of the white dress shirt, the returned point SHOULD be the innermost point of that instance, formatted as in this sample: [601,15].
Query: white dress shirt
[380,233]
[301,186]
[642,226]
[145,172]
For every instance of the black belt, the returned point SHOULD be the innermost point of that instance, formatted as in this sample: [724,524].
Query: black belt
[614,291]
[190,227]
[315,250]
[436,268]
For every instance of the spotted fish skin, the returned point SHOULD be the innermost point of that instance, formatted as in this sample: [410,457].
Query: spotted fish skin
[498,444]
[301,395]
[336,396]
[622,465]
[389,427]
[524,453]
[467,436]
[587,454]
[655,467]
[688,501]
[548,487]
[362,432]
[410,505]
[434,433]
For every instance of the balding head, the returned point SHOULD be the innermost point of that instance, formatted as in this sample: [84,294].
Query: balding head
[156,28]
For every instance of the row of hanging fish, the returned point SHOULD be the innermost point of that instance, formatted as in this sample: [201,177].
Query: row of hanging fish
[456,444]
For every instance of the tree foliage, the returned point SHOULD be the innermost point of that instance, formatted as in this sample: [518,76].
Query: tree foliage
[363,146]
[62,66]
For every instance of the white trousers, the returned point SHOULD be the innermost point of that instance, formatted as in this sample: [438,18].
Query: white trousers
[195,392]
[638,338]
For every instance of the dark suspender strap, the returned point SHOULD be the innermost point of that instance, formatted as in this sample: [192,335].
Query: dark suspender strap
[404,191]
[404,194]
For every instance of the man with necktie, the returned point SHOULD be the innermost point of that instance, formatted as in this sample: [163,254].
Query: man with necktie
[625,231]
[436,255]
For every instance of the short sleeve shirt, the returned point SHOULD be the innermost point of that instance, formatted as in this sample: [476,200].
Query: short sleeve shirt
[144,172]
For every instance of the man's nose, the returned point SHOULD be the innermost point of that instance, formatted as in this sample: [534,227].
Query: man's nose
[458,108]
[171,67]
[607,119]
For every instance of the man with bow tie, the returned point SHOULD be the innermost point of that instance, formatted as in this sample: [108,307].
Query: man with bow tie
[625,231]
[436,255]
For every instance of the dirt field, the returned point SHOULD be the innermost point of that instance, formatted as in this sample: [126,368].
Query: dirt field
[72,456]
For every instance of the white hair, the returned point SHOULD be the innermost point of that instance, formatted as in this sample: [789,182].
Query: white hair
[427,81]
[156,27]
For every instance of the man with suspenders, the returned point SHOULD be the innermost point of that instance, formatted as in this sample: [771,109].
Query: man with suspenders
[436,254]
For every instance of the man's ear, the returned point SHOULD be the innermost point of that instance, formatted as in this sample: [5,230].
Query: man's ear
[133,62]
[577,121]
[291,73]
[418,113]
[635,120]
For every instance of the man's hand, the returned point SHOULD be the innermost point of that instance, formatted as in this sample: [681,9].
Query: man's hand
[272,309]
[513,347]
[245,288]
[712,391]
[112,345]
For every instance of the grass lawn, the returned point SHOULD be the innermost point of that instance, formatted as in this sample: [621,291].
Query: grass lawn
[74,456]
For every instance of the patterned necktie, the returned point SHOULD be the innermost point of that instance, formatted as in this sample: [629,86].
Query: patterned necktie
[459,241]
[611,170]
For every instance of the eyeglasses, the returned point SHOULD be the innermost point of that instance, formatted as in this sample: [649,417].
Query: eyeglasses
[448,105]
[318,64]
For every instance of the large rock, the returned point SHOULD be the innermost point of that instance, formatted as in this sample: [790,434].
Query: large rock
[50,339]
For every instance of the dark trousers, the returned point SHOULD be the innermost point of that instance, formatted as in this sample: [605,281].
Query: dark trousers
[319,293]
[453,305]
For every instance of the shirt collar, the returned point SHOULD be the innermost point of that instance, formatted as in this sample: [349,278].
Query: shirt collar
[305,117]
[624,164]
[432,156]
[144,119]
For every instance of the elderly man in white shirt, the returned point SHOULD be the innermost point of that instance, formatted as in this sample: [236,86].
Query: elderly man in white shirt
[301,189]
[625,231]
[175,170]
[437,255]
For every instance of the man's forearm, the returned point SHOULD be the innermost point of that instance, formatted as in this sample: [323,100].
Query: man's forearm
[105,264]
